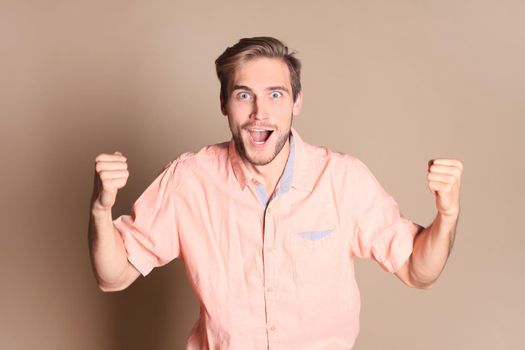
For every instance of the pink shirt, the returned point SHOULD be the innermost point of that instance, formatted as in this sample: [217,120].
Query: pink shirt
[272,273]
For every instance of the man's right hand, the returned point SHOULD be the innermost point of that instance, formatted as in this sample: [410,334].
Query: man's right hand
[111,174]
[112,268]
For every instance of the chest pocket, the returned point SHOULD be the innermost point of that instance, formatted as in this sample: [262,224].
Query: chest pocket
[315,248]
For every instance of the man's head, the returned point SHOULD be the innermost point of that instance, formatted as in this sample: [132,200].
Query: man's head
[250,48]
[260,94]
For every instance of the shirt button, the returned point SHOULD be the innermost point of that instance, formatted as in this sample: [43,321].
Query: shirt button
[269,289]
[269,210]
[272,328]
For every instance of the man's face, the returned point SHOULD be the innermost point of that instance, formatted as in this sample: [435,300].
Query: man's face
[260,109]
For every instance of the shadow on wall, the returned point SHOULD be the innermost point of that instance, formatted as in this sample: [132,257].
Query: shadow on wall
[155,312]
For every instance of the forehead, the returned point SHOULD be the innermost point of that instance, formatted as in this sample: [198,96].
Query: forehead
[262,72]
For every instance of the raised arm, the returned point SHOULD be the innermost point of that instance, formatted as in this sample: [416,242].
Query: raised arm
[433,244]
[111,267]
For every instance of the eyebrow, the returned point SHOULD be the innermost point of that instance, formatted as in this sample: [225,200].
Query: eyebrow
[278,87]
[270,88]
[241,87]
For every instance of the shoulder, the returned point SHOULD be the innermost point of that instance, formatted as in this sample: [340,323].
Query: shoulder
[344,159]
[344,168]
[207,155]
[197,164]
[350,164]
[334,160]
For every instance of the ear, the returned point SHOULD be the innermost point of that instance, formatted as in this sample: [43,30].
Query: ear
[223,106]
[298,104]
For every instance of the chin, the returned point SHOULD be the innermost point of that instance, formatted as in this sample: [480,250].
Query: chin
[259,156]
[259,159]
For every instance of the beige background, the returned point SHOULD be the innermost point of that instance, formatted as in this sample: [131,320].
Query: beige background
[394,83]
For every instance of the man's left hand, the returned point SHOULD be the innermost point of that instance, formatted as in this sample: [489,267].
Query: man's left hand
[444,180]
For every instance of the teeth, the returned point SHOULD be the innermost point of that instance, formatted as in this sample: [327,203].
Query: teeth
[260,139]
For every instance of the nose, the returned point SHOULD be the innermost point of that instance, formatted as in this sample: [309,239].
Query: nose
[258,109]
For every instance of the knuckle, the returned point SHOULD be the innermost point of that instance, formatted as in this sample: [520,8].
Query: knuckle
[100,156]
[104,175]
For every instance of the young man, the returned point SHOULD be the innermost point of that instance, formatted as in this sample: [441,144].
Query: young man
[268,225]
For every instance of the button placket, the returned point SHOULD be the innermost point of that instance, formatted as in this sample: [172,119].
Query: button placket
[269,246]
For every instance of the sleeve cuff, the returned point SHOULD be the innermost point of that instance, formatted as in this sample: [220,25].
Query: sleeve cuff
[401,248]
[135,253]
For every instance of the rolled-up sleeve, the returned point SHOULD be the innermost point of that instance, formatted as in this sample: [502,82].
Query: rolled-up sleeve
[149,233]
[381,232]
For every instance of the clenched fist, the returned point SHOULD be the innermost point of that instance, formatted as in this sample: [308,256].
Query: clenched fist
[111,174]
[444,180]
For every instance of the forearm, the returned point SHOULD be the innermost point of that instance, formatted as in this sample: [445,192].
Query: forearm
[431,250]
[107,251]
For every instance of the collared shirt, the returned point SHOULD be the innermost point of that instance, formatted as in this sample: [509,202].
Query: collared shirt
[270,272]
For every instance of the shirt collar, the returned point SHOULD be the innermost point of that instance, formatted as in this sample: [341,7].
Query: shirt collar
[239,169]
[299,171]
[307,165]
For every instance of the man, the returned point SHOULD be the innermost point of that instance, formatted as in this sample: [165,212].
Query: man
[266,224]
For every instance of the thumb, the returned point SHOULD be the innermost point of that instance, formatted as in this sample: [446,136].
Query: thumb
[107,198]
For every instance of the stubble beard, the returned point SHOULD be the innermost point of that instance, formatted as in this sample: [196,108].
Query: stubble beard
[282,137]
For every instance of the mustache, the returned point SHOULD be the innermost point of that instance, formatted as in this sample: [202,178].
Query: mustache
[250,125]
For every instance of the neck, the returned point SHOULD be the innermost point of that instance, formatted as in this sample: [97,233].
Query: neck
[270,173]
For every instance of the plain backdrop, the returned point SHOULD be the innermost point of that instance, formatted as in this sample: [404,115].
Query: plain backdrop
[394,83]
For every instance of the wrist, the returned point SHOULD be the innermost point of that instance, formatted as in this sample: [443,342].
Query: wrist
[450,219]
[99,212]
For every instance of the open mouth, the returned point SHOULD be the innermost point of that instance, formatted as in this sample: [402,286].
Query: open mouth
[259,136]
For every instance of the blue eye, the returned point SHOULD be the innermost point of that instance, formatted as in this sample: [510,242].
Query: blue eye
[244,95]
[276,94]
